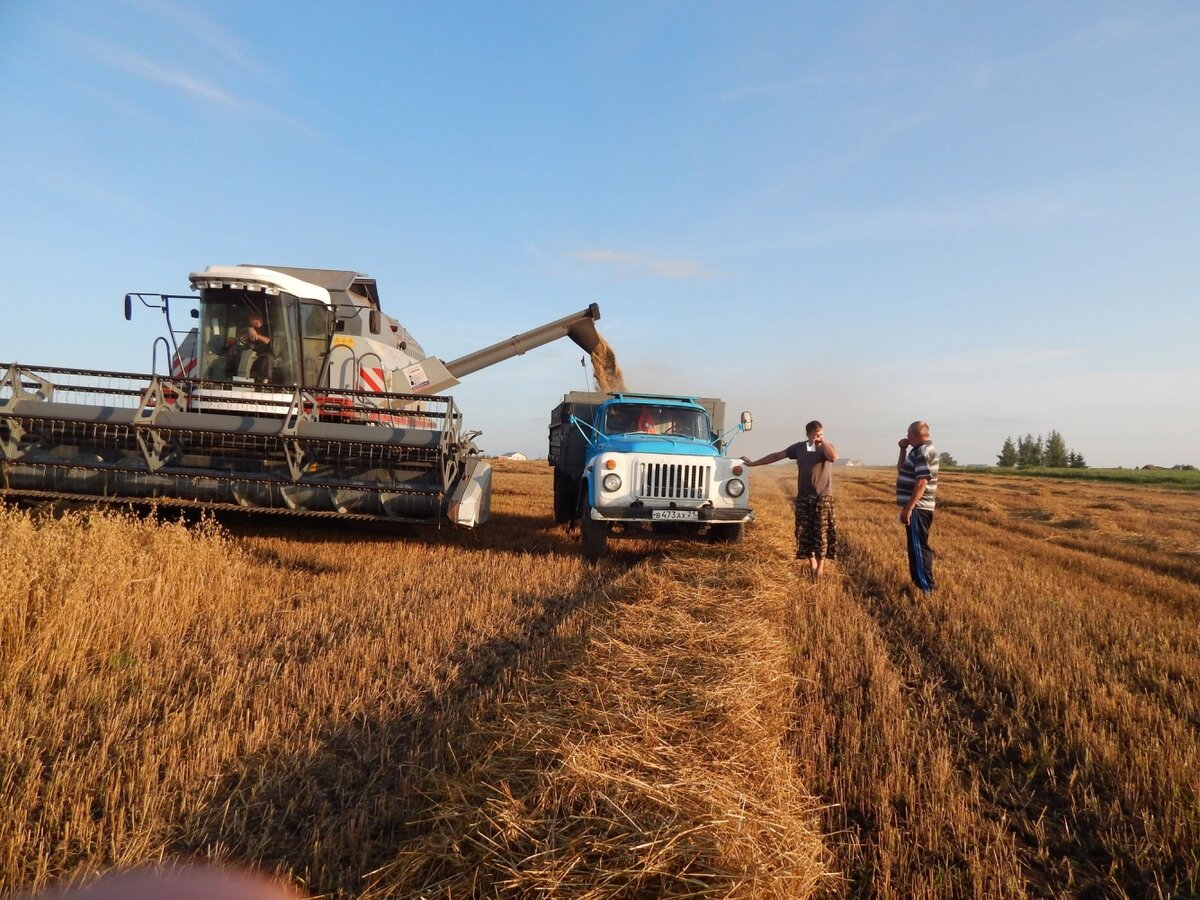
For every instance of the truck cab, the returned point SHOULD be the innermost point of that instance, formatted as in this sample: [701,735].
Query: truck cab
[646,465]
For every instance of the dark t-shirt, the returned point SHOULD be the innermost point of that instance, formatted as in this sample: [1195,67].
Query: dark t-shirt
[814,473]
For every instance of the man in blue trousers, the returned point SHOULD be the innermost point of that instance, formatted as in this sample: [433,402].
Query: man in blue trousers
[916,495]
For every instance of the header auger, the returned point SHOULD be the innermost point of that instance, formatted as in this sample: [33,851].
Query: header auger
[293,394]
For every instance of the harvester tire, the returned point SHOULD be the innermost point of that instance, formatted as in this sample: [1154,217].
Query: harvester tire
[728,534]
[595,536]
[565,498]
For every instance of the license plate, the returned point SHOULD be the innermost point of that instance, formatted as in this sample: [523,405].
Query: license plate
[676,515]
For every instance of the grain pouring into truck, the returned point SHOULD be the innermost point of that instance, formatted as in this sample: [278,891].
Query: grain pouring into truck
[608,375]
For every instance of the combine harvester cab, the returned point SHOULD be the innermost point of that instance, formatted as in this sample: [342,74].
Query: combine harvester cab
[293,394]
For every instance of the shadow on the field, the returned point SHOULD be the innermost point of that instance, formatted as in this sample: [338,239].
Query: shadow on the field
[333,808]
[515,532]
[505,533]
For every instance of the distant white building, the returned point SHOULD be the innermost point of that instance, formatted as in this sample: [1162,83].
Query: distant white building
[516,454]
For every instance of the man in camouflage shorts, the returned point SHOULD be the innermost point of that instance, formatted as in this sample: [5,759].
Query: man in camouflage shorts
[816,531]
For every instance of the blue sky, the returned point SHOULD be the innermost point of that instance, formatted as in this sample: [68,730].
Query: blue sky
[985,215]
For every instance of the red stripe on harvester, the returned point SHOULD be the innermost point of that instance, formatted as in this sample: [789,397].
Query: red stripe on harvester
[372,378]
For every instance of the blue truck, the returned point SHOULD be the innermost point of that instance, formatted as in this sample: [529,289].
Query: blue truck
[646,466]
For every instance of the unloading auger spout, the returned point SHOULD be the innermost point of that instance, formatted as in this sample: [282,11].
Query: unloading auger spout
[433,375]
[291,393]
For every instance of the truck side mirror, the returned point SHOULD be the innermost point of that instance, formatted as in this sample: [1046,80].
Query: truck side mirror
[194,313]
[128,308]
[747,420]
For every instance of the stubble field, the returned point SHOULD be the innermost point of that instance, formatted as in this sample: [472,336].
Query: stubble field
[457,714]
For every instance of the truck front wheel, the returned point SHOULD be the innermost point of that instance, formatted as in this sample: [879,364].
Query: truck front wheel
[595,536]
[727,534]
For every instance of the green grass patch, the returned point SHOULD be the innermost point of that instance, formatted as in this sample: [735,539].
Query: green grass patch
[1181,479]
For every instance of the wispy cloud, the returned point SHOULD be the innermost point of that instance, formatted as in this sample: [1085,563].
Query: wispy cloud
[118,103]
[1099,37]
[78,188]
[203,30]
[185,83]
[1022,209]
[1002,360]
[856,79]
[635,265]
[984,368]
[1111,34]
[744,92]
[133,64]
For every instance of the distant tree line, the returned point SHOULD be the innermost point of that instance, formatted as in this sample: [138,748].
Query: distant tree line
[1028,452]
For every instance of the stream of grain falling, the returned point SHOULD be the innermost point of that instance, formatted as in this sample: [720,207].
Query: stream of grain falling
[609,378]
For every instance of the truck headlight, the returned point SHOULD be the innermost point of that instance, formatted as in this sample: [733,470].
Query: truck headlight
[612,482]
[735,487]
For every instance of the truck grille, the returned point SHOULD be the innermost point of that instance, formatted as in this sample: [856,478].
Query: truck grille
[673,481]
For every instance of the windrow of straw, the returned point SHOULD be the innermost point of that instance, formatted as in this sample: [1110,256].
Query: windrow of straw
[653,765]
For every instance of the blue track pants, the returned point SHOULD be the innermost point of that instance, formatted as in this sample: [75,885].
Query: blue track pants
[920,554]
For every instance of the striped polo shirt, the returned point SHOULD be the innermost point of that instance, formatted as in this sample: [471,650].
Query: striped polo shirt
[921,462]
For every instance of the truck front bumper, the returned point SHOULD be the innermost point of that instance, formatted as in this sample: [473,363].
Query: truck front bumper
[704,516]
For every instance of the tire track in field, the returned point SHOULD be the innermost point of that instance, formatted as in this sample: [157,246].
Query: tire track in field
[1026,747]
[1184,569]
[1184,573]
[1175,689]
[987,733]
[983,721]
[899,820]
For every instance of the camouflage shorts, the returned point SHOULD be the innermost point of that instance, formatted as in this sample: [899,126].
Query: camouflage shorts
[816,533]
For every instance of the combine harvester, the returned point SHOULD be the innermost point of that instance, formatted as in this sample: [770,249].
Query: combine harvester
[293,394]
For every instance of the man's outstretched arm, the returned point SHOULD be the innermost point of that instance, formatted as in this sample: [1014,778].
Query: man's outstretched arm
[766,460]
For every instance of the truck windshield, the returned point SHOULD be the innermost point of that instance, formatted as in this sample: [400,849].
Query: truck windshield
[647,418]
[247,336]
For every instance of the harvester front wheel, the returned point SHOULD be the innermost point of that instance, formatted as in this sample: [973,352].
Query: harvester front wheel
[595,536]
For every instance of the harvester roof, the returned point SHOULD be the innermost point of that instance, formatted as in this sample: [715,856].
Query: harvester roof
[332,286]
